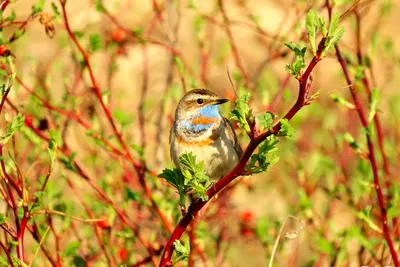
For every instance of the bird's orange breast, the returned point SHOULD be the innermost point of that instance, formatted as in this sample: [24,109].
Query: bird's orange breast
[206,142]
[203,120]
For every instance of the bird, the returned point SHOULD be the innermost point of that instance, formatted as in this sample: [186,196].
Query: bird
[200,129]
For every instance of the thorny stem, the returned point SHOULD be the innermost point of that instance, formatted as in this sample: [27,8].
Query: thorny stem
[197,205]
[372,159]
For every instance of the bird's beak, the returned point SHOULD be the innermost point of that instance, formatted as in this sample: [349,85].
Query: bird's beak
[220,101]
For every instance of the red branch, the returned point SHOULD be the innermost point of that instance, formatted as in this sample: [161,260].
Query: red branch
[372,159]
[96,89]
[197,205]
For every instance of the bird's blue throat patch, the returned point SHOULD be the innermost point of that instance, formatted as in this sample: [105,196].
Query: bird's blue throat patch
[204,119]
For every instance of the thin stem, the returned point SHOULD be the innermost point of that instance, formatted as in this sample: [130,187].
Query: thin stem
[372,159]
[96,89]
[10,261]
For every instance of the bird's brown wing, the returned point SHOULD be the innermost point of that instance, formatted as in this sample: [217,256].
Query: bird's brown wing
[230,133]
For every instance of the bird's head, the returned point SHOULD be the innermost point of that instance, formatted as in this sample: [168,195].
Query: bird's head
[198,110]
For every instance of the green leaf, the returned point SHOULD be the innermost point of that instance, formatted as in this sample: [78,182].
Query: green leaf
[95,42]
[38,7]
[38,202]
[122,117]
[4,263]
[79,262]
[298,50]
[69,163]
[55,10]
[322,26]
[78,34]
[312,27]
[198,24]
[12,17]
[373,103]
[181,251]
[342,101]
[286,129]
[71,249]
[335,33]
[364,215]
[126,233]
[99,6]
[242,113]
[265,157]
[129,194]
[265,120]
[299,62]
[325,246]
[52,149]
[195,176]
[3,219]
[15,126]
[175,178]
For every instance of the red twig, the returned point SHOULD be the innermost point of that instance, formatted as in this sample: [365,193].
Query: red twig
[96,228]
[20,235]
[372,159]
[139,168]
[369,91]
[4,4]
[7,251]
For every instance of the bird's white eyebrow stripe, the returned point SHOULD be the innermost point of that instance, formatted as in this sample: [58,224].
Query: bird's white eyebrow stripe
[195,96]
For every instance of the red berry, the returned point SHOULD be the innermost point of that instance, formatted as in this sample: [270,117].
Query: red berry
[119,35]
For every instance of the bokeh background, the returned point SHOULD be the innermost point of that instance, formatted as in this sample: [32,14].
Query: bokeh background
[321,182]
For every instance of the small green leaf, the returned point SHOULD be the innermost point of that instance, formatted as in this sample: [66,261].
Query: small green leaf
[265,157]
[342,101]
[15,126]
[265,120]
[373,103]
[52,150]
[38,202]
[122,117]
[129,194]
[334,35]
[95,42]
[286,129]
[299,62]
[38,7]
[3,219]
[78,34]
[99,6]
[69,163]
[71,249]
[55,10]
[12,17]
[181,251]
[195,176]
[312,26]
[364,215]
[325,246]
[175,178]
[242,113]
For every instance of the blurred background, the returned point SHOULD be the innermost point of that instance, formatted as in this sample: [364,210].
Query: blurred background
[144,56]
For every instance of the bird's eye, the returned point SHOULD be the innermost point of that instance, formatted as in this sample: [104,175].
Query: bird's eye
[200,101]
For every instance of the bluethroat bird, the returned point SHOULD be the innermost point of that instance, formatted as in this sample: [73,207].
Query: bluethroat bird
[199,128]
